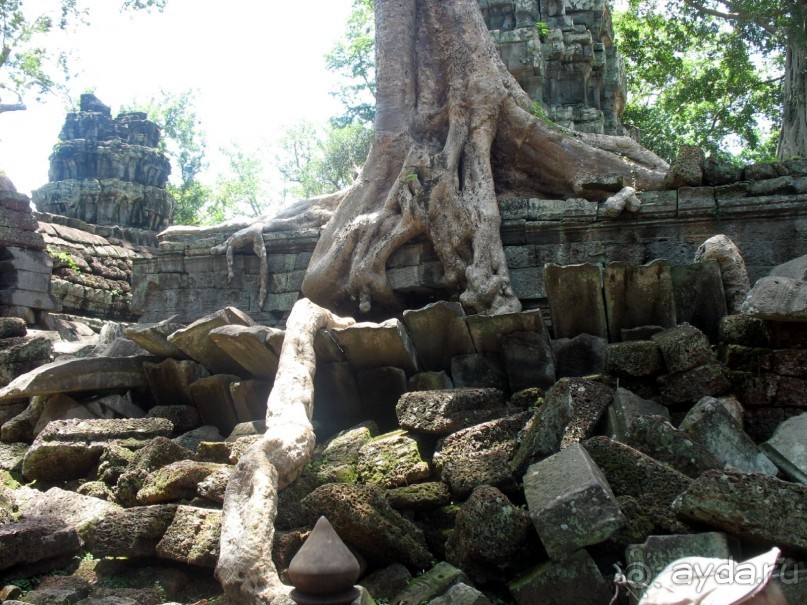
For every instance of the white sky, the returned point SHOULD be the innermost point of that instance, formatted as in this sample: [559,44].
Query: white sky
[258,66]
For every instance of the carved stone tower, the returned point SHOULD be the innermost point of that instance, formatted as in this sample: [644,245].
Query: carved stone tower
[108,172]
[562,54]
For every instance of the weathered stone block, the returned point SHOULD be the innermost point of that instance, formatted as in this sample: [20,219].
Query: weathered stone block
[196,343]
[787,448]
[192,537]
[634,359]
[708,379]
[699,296]
[438,332]
[368,346]
[447,411]
[696,201]
[250,398]
[778,299]
[683,347]
[710,425]
[392,460]
[638,295]
[480,455]
[380,389]
[337,400]
[570,502]
[590,401]
[576,300]
[421,496]
[175,481]
[430,381]
[214,401]
[487,330]
[170,380]
[743,505]
[131,532]
[627,408]
[656,437]
[582,355]
[254,348]
[573,581]
[478,370]
[33,540]
[528,360]
[431,584]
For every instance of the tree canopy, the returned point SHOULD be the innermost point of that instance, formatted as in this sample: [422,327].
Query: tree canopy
[27,65]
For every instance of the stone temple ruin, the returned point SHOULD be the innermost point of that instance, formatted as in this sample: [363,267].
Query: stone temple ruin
[645,406]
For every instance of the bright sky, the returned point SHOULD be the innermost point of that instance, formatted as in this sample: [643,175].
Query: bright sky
[257,66]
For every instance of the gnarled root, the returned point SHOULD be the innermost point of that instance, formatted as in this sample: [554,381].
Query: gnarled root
[245,568]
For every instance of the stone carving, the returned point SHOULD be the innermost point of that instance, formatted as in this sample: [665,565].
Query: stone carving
[108,171]
[562,53]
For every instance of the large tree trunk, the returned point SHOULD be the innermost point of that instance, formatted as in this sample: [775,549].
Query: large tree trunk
[453,130]
[793,138]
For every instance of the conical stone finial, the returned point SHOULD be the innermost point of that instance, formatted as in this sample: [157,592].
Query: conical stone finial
[323,571]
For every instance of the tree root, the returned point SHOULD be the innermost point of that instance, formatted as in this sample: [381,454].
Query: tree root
[245,568]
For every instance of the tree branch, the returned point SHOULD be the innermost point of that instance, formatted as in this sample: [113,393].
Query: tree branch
[737,15]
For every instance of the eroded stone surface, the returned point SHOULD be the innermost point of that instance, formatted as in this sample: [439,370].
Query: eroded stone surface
[446,411]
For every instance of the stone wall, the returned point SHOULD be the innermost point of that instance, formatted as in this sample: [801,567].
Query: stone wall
[24,265]
[767,219]
[562,53]
[108,171]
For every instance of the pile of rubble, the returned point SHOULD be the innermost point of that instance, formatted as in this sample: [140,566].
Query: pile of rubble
[509,465]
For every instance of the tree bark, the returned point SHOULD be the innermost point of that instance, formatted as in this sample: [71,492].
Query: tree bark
[245,568]
[453,131]
[793,137]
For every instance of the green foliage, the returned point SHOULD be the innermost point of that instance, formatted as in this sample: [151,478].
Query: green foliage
[698,82]
[62,259]
[542,27]
[185,143]
[314,162]
[242,190]
[354,60]
[27,65]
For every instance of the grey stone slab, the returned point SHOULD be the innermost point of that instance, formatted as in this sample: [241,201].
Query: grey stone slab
[645,561]
[570,502]
[254,348]
[132,532]
[658,204]
[627,407]
[788,448]
[691,385]
[379,391]
[446,411]
[777,299]
[192,538]
[576,302]
[590,401]
[712,426]
[214,401]
[170,380]
[430,381]
[337,401]
[571,210]
[33,540]
[196,343]
[683,348]
[582,355]
[699,296]
[638,295]
[746,506]
[368,345]
[528,361]
[438,333]
[486,330]
[793,269]
[573,581]
[250,398]
[478,370]
[75,510]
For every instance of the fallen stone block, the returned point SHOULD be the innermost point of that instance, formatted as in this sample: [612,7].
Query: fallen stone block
[170,380]
[583,355]
[392,460]
[638,295]
[256,349]
[480,455]
[626,408]
[361,516]
[430,585]
[575,300]
[744,505]
[250,398]
[778,299]
[184,417]
[76,375]
[527,358]
[176,481]
[367,346]
[590,401]
[130,532]
[337,402]
[632,473]
[683,347]
[447,411]
[196,343]
[379,390]
[656,437]
[490,536]
[684,387]
[787,448]
[461,594]
[699,296]
[154,338]
[486,330]
[75,510]
[570,502]
[634,359]
[478,370]
[193,537]
[646,561]
[430,381]
[438,332]
[36,539]
[214,401]
[710,425]
[421,496]
[573,581]
[544,431]
[11,456]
